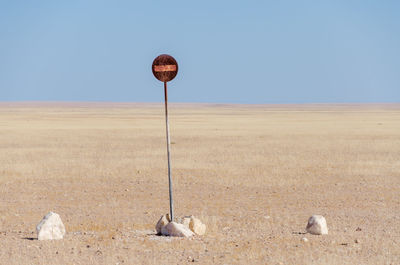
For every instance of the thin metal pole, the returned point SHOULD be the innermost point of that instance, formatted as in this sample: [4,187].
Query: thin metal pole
[171,202]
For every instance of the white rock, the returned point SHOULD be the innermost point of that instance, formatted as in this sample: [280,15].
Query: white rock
[317,225]
[164,220]
[175,229]
[197,226]
[51,227]
[194,224]
[304,239]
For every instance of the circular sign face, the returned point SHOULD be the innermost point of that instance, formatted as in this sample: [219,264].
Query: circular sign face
[165,68]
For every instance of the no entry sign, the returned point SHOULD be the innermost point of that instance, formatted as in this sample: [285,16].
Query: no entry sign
[165,68]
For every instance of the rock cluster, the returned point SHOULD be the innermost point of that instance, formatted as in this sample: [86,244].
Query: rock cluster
[51,227]
[317,225]
[189,226]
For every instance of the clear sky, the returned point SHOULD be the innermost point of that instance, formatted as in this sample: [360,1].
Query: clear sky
[228,51]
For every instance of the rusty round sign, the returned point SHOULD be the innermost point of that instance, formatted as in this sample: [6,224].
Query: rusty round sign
[165,68]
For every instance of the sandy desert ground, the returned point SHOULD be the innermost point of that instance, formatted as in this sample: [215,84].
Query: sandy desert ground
[253,174]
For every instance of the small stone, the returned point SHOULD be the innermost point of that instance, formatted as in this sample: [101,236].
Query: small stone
[197,226]
[51,227]
[164,220]
[356,241]
[194,224]
[304,239]
[358,229]
[317,225]
[177,230]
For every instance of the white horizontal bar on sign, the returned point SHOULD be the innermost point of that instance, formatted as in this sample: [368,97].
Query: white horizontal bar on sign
[165,68]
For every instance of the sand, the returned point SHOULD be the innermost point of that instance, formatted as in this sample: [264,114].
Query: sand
[253,173]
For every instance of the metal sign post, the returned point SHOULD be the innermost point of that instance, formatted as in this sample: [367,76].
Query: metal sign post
[165,69]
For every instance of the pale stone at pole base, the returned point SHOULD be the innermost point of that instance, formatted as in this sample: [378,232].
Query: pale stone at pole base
[176,230]
[164,220]
[197,226]
[51,227]
[317,225]
[194,224]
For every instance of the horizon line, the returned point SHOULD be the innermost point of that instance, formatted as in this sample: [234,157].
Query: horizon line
[188,103]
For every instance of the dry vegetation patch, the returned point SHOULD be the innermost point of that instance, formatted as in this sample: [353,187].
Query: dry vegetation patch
[253,174]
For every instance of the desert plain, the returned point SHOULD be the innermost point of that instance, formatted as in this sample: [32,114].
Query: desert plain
[253,174]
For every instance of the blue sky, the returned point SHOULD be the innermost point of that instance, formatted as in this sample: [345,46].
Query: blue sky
[227,51]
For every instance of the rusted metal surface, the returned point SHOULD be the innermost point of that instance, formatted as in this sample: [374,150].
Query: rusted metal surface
[165,68]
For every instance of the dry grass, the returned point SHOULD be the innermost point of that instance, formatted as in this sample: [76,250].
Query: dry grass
[254,174]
